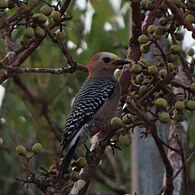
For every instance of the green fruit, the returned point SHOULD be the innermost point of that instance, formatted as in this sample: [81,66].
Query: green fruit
[41,18]
[21,150]
[37,148]
[125,140]
[151,28]
[74,176]
[81,162]
[29,32]
[142,39]
[145,48]
[56,15]
[190,105]
[164,117]
[142,90]
[139,79]
[39,31]
[23,40]
[179,117]
[161,103]
[143,62]
[192,87]
[127,119]
[156,36]
[46,10]
[61,35]
[163,73]
[171,66]
[159,30]
[116,122]
[175,49]
[176,83]
[190,52]
[190,18]
[136,69]
[180,105]
[152,70]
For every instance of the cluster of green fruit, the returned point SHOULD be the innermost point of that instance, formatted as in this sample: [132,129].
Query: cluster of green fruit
[38,19]
[76,167]
[117,123]
[166,20]
[179,106]
[36,149]
[143,72]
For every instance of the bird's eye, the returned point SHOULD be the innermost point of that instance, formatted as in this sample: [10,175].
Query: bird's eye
[106,59]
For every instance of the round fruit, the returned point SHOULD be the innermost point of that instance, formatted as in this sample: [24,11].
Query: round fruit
[145,48]
[56,15]
[37,148]
[41,18]
[29,32]
[151,28]
[175,49]
[179,105]
[191,52]
[192,87]
[74,176]
[39,31]
[21,150]
[61,35]
[136,69]
[159,30]
[161,103]
[81,162]
[116,122]
[156,35]
[127,119]
[190,105]
[163,73]
[171,66]
[143,89]
[46,10]
[143,39]
[190,18]
[139,79]
[179,117]
[164,117]
[176,82]
[152,70]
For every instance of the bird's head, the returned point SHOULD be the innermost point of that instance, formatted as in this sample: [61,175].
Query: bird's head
[104,64]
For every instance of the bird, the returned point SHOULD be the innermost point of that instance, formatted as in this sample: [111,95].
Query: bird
[94,105]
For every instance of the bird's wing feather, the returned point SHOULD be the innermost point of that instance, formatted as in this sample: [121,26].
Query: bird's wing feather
[92,95]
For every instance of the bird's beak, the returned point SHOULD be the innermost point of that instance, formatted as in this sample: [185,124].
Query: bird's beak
[118,62]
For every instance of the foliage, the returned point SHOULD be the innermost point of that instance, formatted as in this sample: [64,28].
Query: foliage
[56,37]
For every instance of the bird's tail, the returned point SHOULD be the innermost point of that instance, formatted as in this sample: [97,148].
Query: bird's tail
[68,157]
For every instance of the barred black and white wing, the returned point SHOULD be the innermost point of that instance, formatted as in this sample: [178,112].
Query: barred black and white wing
[92,95]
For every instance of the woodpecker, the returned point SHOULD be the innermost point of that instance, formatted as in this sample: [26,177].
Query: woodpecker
[94,105]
